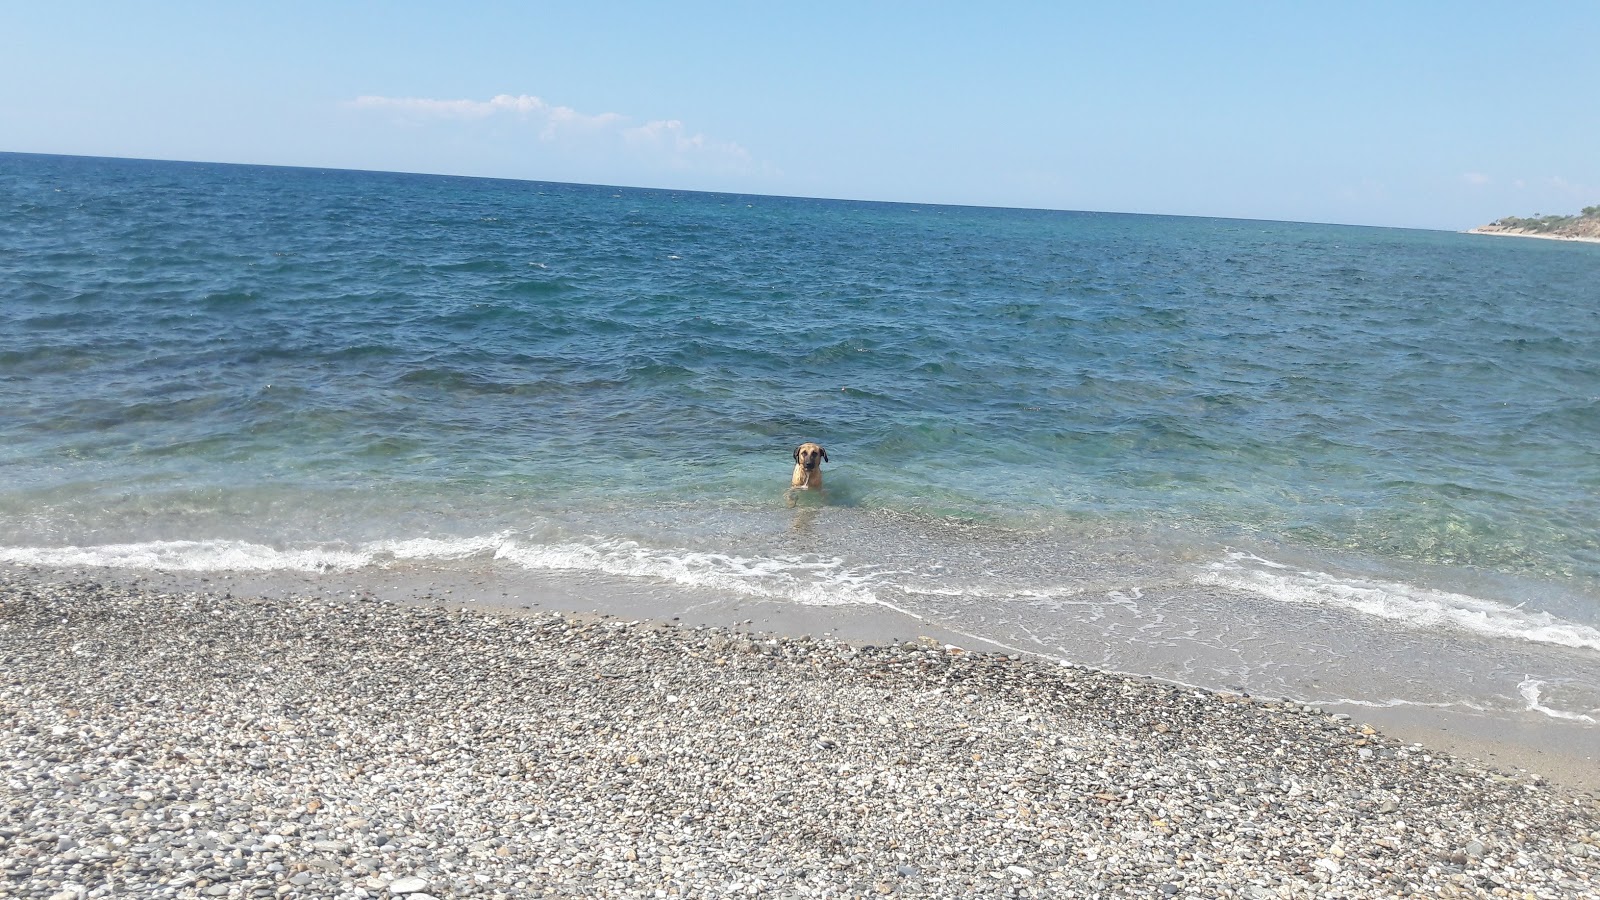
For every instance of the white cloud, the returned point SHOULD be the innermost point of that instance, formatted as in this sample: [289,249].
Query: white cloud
[669,136]
[1476,178]
[666,140]
[1368,191]
[1563,186]
[524,106]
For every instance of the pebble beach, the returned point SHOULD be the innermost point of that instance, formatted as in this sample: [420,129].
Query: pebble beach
[179,744]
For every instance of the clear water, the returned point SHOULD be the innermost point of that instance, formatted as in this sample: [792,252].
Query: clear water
[1331,462]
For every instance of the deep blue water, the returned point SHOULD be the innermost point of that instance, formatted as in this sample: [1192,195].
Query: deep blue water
[1191,447]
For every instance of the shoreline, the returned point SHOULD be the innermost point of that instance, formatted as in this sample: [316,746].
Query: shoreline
[318,746]
[1518,232]
[1564,752]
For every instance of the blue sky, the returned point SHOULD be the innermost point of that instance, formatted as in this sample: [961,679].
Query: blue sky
[1424,114]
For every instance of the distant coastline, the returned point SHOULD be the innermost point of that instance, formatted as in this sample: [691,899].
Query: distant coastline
[1583,227]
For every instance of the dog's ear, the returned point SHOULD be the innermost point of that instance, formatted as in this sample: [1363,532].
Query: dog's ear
[824,455]
[797,454]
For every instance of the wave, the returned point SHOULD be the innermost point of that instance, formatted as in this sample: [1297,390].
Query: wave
[1133,624]
[1531,690]
[816,579]
[810,580]
[807,580]
[244,556]
[1411,606]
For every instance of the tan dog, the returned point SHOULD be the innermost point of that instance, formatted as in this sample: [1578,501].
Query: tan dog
[808,460]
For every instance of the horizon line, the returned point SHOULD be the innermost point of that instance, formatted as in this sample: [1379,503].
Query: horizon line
[1051,209]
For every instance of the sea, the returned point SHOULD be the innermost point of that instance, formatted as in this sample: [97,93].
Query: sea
[1352,466]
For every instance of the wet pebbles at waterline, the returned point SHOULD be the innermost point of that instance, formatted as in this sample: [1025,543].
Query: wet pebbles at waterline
[184,745]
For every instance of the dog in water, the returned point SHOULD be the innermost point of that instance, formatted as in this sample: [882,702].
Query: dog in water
[808,460]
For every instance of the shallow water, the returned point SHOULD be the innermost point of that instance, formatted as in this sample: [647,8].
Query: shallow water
[1330,462]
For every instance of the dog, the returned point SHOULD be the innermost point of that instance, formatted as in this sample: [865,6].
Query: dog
[808,460]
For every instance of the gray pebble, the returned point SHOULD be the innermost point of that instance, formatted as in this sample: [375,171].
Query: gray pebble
[313,748]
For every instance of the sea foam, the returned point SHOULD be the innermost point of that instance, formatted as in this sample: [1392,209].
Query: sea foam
[805,580]
[1407,605]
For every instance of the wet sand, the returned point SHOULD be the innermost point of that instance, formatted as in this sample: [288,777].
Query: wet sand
[1568,754]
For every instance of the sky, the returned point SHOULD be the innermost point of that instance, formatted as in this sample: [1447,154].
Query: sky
[1410,114]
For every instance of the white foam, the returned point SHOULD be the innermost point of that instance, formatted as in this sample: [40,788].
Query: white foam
[1409,605]
[810,581]
[806,580]
[434,548]
[247,556]
[1531,692]
[191,556]
[1394,702]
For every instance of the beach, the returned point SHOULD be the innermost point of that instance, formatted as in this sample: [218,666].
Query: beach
[1523,232]
[380,535]
[1344,465]
[175,743]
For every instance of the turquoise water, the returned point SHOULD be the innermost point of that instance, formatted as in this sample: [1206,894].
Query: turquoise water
[1190,447]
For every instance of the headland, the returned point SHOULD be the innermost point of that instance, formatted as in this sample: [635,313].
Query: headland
[1582,227]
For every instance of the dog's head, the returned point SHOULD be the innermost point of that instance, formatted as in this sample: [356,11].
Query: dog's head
[808,455]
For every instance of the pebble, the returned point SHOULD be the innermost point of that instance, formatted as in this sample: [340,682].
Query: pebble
[186,745]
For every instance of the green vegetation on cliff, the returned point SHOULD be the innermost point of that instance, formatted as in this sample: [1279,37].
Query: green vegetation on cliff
[1584,225]
[1552,224]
